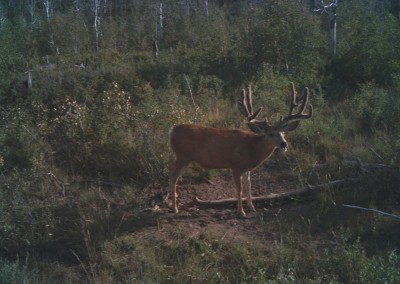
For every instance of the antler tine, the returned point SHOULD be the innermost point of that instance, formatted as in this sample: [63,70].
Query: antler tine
[246,105]
[250,99]
[305,99]
[243,104]
[294,104]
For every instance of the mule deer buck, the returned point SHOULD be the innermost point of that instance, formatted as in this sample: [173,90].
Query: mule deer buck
[239,150]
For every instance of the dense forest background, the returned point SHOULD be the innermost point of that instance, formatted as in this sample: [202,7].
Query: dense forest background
[89,89]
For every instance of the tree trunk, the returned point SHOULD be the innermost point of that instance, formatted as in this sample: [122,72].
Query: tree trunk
[96,24]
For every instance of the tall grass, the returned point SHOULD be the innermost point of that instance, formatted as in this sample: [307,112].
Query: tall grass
[72,196]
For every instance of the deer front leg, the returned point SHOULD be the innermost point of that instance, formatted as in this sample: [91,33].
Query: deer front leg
[172,186]
[247,186]
[176,170]
[237,176]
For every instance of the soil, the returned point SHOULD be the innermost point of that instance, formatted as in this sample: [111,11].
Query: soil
[220,221]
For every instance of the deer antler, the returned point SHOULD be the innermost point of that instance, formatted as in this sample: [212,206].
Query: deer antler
[294,104]
[246,105]
[287,123]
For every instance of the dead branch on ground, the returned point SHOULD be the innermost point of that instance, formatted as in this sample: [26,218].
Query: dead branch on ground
[285,196]
[397,217]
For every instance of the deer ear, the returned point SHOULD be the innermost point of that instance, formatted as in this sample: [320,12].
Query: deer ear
[290,126]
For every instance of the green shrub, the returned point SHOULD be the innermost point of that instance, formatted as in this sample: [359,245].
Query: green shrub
[15,272]
[381,269]
[368,44]
[12,62]
[21,145]
[290,40]
[28,212]
[376,107]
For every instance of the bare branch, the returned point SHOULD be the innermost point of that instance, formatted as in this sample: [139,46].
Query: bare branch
[285,196]
[397,217]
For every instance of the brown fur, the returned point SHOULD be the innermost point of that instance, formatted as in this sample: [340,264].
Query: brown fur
[239,150]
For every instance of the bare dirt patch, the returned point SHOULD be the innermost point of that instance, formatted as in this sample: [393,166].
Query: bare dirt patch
[222,221]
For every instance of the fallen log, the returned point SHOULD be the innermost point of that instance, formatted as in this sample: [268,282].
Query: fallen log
[285,196]
[393,216]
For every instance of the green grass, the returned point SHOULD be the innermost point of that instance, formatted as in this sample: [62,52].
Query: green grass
[16,271]
[92,232]
[79,151]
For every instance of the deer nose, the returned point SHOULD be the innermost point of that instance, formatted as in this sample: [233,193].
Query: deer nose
[284,145]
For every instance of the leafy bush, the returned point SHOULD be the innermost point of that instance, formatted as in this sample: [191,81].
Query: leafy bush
[368,44]
[78,126]
[381,269]
[12,65]
[290,40]
[21,146]
[15,272]
[376,107]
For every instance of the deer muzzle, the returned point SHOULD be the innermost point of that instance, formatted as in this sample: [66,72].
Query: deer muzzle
[284,146]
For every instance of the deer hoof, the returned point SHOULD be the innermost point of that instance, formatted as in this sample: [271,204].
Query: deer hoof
[251,207]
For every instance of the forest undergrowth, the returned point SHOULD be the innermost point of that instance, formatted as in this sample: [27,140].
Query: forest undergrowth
[84,120]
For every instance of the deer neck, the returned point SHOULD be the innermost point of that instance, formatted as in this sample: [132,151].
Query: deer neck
[263,148]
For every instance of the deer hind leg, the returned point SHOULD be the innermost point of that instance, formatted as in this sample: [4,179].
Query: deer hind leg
[247,186]
[176,170]
[237,177]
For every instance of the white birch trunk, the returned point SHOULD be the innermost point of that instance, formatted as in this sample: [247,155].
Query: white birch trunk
[334,26]
[48,8]
[32,4]
[160,15]
[96,24]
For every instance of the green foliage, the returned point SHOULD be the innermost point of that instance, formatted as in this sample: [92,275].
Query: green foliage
[377,107]
[28,218]
[382,269]
[79,148]
[75,38]
[199,36]
[130,27]
[21,146]
[108,134]
[15,272]
[368,44]
[12,64]
[214,259]
[289,40]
